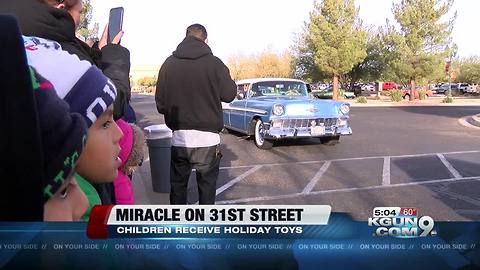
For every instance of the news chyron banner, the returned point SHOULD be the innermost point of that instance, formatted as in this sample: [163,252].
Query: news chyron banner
[227,237]
[195,221]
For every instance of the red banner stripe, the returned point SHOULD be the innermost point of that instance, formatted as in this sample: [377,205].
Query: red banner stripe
[97,224]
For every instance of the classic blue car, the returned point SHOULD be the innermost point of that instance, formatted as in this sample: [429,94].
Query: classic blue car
[273,109]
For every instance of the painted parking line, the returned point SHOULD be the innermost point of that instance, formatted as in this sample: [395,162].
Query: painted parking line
[469,212]
[445,190]
[466,165]
[449,166]
[348,159]
[237,179]
[317,177]
[295,195]
[386,172]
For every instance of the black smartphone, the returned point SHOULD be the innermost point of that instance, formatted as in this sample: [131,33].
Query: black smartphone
[115,22]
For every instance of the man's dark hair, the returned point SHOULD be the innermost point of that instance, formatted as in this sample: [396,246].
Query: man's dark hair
[198,31]
[68,3]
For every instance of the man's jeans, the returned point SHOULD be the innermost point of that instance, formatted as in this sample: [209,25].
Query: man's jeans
[206,161]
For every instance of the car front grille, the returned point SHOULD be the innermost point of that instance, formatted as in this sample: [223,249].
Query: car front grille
[304,123]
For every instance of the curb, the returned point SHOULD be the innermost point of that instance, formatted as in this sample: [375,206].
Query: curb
[472,121]
[433,101]
[413,105]
[476,118]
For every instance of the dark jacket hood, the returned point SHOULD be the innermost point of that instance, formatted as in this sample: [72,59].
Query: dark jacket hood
[41,20]
[192,48]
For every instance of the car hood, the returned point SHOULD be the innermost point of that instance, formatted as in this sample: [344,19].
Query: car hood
[300,107]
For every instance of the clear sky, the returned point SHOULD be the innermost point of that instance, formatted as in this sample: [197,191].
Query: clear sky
[153,28]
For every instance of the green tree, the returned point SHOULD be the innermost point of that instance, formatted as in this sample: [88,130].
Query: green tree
[333,41]
[469,70]
[85,19]
[423,40]
[374,65]
[303,62]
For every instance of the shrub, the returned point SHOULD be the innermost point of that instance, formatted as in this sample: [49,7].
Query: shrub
[147,81]
[422,94]
[447,100]
[385,93]
[396,95]
[341,93]
[362,100]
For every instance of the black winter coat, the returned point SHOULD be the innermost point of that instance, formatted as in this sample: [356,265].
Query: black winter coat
[41,20]
[21,169]
[191,85]
[44,21]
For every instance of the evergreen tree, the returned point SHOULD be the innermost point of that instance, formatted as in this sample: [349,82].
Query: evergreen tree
[85,19]
[469,71]
[423,41]
[333,42]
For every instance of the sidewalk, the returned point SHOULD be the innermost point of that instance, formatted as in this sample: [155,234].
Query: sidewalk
[433,101]
[142,186]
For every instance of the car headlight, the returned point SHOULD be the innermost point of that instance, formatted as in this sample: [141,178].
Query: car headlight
[345,108]
[278,109]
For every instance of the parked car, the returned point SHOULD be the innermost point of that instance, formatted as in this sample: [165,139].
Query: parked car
[318,86]
[368,88]
[443,89]
[272,109]
[356,89]
[463,87]
[389,86]
[474,89]
[406,93]
[328,94]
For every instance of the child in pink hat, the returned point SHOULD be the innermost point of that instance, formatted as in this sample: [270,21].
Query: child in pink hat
[132,144]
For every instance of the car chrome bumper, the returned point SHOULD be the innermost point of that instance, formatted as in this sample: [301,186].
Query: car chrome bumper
[280,133]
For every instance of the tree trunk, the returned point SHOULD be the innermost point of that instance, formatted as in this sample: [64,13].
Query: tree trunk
[412,90]
[335,87]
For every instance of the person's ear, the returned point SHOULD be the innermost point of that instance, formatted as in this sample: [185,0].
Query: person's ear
[61,6]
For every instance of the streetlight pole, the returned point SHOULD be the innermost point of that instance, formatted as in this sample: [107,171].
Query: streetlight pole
[450,77]
[453,53]
[449,95]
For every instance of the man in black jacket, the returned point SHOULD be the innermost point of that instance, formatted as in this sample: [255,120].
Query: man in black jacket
[52,21]
[191,85]
[56,23]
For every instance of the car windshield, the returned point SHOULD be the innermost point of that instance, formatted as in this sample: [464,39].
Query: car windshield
[279,88]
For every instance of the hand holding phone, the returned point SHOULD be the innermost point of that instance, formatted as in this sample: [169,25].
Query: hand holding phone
[115,23]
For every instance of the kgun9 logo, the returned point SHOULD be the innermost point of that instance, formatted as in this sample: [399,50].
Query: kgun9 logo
[396,222]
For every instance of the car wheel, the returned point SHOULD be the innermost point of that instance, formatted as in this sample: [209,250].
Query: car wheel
[331,140]
[260,140]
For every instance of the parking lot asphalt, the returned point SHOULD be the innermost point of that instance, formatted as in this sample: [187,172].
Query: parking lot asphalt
[397,156]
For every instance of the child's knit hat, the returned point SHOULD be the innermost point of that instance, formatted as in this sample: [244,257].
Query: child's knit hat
[83,86]
[63,135]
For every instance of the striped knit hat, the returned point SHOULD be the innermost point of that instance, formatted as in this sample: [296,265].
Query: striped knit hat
[81,85]
[63,135]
